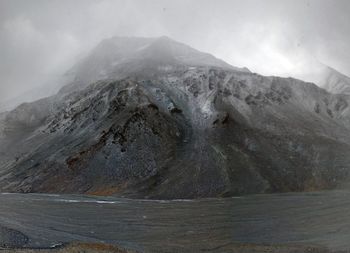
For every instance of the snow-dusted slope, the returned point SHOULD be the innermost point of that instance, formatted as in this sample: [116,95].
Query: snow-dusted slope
[334,81]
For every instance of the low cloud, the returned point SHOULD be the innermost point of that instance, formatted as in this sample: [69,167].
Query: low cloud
[42,39]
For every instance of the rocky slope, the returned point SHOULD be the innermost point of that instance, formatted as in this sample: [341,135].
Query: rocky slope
[167,121]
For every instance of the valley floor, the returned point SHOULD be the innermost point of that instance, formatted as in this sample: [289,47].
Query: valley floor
[286,223]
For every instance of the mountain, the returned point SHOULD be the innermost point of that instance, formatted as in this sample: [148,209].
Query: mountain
[324,76]
[155,118]
[334,81]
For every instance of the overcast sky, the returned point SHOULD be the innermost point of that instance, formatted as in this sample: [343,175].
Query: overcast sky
[41,39]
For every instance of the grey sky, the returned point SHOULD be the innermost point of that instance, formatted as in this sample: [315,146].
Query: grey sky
[40,39]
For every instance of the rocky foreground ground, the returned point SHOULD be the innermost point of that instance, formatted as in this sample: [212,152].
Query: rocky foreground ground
[232,248]
[74,248]
[11,241]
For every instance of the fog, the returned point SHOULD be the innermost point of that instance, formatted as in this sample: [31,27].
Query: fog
[40,39]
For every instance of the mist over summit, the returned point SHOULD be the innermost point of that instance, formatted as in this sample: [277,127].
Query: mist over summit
[119,57]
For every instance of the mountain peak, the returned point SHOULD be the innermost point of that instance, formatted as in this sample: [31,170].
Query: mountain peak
[119,57]
[334,81]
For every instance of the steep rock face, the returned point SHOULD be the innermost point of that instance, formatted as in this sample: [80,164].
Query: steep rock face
[184,131]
